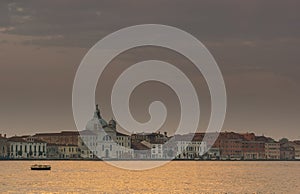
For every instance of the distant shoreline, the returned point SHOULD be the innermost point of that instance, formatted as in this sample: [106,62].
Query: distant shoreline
[149,160]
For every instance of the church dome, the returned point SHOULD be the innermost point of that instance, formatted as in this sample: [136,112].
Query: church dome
[103,122]
[93,124]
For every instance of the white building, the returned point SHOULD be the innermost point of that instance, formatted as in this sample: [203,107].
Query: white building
[26,147]
[190,149]
[157,151]
[100,140]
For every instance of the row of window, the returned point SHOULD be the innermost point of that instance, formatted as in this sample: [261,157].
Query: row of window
[29,148]
[70,149]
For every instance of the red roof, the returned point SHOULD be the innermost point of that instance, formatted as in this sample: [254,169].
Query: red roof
[63,133]
[24,139]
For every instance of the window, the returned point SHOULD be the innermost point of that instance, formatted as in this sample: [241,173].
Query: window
[106,138]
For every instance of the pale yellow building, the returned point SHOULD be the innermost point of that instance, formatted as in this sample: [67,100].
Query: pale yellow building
[272,150]
[68,151]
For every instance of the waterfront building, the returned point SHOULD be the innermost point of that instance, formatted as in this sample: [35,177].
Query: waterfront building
[149,137]
[188,147]
[213,154]
[212,139]
[297,149]
[3,147]
[287,152]
[52,151]
[68,151]
[26,147]
[290,150]
[64,137]
[101,139]
[87,144]
[253,150]
[235,146]
[272,150]
[157,150]
[142,150]
[231,148]
[148,145]
[124,150]
[123,140]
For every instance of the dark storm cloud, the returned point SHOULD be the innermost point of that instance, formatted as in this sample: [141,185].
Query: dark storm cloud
[264,26]
[84,22]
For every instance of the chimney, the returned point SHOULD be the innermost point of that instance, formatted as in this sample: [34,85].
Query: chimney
[4,135]
[165,133]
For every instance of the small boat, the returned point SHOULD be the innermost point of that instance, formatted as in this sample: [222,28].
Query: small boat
[40,167]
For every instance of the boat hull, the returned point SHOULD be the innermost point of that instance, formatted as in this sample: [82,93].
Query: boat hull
[41,168]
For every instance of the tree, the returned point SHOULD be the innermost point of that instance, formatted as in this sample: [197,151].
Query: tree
[283,140]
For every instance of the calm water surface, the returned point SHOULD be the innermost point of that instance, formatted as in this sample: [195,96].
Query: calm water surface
[175,177]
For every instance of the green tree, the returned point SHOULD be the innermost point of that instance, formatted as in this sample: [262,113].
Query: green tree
[283,140]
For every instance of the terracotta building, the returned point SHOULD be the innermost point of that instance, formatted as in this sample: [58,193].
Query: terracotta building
[231,148]
[253,150]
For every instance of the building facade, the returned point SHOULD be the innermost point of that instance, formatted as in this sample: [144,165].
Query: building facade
[253,150]
[64,137]
[157,151]
[288,151]
[297,149]
[101,139]
[190,149]
[68,152]
[231,149]
[272,150]
[3,147]
[26,147]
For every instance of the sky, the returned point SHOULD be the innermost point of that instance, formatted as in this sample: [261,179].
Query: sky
[255,43]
